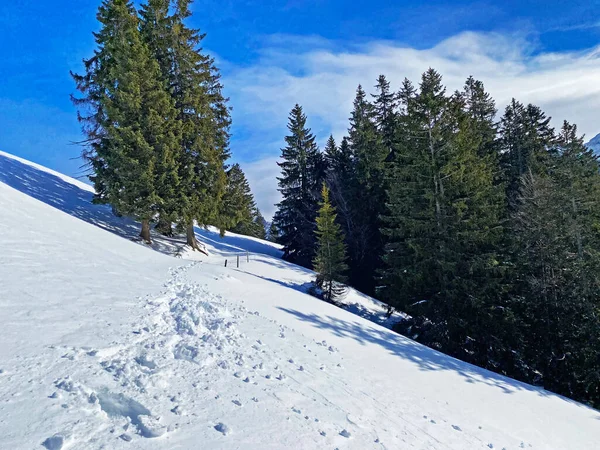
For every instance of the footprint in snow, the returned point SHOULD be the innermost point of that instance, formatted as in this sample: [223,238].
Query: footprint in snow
[456,427]
[55,442]
[345,433]
[222,428]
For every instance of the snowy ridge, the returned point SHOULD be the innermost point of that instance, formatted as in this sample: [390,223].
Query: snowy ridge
[108,344]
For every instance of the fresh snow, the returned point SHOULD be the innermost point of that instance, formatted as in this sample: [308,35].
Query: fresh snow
[594,144]
[106,343]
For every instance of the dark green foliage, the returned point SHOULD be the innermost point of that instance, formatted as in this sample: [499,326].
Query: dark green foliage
[443,223]
[129,119]
[238,210]
[366,192]
[330,259]
[525,140]
[302,175]
[556,296]
[202,113]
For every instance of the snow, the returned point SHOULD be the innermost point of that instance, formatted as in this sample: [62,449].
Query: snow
[107,343]
[594,144]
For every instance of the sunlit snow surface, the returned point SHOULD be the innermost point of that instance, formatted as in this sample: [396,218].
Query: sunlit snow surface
[105,343]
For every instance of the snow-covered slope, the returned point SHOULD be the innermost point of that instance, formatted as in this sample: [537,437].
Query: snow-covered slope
[594,144]
[105,343]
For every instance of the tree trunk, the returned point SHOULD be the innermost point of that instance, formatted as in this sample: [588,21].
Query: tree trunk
[191,238]
[145,233]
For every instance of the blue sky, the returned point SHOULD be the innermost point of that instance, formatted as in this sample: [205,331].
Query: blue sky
[274,53]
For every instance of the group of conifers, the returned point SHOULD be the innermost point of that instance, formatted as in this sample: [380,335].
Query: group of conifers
[157,123]
[485,230]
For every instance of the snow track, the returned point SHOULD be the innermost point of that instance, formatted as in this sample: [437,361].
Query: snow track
[188,356]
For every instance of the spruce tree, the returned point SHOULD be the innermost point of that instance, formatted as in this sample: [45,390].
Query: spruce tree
[194,84]
[128,118]
[239,212]
[526,138]
[556,259]
[302,171]
[367,192]
[330,259]
[385,113]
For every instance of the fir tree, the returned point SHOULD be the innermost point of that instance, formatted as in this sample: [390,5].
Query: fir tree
[302,173]
[330,259]
[128,118]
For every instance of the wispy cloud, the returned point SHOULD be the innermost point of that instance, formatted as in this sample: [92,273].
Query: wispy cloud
[323,76]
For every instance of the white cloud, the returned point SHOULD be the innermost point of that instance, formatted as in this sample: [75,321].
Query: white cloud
[323,79]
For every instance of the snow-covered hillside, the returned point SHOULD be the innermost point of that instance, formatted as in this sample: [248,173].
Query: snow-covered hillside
[105,343]
[594,144]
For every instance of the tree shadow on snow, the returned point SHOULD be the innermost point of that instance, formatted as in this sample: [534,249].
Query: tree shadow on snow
[77,202]
[424,357]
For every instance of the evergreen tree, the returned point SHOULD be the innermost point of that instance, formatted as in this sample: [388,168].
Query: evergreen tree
[238,209]
[443,225]
[385,113]
[330,259]
[128,118]
[526,139]
[302,174]
[194,84]
[367,192]
[341,182]
[239,212]
[481,108]
[555,228]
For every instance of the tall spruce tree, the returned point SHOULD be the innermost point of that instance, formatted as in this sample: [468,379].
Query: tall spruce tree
[302,173]
[128,118]
[556,241]
[385,114]
[526,137]
[367,193]
[330,259]
[194,84]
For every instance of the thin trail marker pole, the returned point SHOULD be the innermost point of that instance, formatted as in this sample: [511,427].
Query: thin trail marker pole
[247,256]
[225,263]
[238,261]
